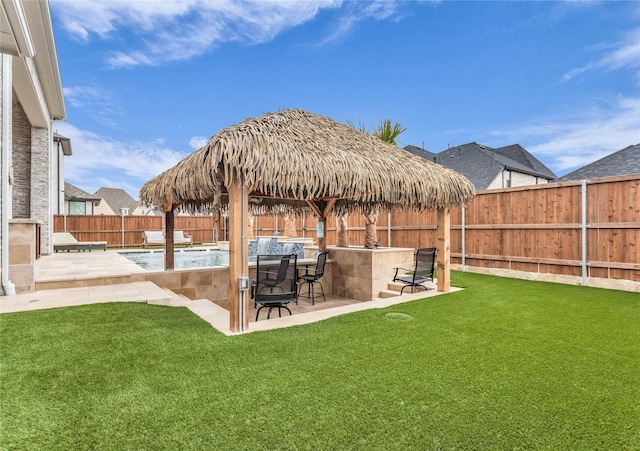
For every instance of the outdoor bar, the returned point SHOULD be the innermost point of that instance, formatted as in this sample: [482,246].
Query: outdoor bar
[294,161]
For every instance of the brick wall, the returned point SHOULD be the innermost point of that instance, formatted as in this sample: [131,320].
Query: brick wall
[41,146]
[21,156]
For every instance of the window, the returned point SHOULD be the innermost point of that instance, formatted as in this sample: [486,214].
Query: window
[77,208]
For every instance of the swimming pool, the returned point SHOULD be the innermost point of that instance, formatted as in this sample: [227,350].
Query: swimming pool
[183,258]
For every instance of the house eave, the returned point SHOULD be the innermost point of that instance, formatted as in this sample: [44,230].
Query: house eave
[46,60]
[36,73]
[524,171]
[15,37]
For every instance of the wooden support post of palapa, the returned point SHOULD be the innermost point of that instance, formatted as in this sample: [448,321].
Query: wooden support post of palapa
[169,226]
[322,208]
[443,246]
[237,230]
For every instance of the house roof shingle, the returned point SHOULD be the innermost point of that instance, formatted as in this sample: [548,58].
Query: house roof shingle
[72,192]
[482,164]
[518,153]
[117,199]
[421,152]
[471,160]
[623,162]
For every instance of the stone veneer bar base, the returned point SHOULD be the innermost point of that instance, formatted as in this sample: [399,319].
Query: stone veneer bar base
[361,273]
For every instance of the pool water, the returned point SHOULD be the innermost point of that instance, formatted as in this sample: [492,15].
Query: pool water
[184,258]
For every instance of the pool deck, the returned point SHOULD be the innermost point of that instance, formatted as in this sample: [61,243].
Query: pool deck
[109,265]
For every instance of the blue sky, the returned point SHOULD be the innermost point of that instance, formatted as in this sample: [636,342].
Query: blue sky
[148,82]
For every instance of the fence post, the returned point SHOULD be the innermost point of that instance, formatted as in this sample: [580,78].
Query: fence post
[462,237]
[224,227]
[124,211]
[304,225]
[583,189]
[389,228]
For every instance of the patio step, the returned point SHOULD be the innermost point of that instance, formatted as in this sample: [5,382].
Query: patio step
[388,293]
[395,286]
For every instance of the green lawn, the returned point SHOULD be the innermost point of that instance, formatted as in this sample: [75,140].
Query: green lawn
[504,364]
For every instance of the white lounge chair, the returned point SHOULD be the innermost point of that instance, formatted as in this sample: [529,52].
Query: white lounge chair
[64,241]
[156,238]
[179,237]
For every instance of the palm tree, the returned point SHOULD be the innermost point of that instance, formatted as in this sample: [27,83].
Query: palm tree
[341,231]
[387,132]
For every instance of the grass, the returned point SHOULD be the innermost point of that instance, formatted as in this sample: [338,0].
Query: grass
[504,364]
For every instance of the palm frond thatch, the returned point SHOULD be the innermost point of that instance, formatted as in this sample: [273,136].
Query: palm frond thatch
[296,156]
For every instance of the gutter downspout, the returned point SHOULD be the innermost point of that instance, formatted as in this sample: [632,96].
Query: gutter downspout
[8,287]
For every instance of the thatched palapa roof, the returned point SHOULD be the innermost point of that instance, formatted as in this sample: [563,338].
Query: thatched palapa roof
[293,156]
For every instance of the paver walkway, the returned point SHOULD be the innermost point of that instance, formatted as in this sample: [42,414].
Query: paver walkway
[109,265]
[212,313]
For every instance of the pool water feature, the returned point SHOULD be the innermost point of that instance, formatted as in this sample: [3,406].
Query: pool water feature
[183,259]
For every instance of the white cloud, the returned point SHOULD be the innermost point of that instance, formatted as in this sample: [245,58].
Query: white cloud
[570,142]
[99,161]
[197,142]
[97,102]
[357,12]
[181,29]
[622,54]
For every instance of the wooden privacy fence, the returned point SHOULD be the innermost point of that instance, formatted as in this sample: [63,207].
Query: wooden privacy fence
[582,228]
[127,231]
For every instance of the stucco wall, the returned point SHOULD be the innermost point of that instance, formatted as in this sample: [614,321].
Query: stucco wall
[520,179]
[102,208]
[497,182]
[517,179]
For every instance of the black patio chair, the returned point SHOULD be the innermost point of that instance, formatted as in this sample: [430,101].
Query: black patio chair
[268,276]
[275,289]
[422,271]
[310,279]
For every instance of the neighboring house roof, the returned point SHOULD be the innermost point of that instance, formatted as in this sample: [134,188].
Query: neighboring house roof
[72,192]
[142,210]
[517,153]
[482,164]
[421,152]
[471,160]
[117,199]
[622,162]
